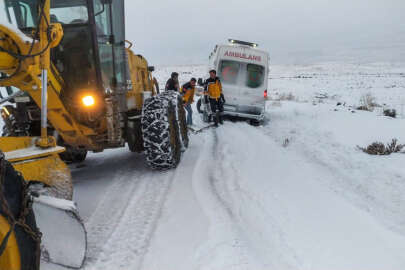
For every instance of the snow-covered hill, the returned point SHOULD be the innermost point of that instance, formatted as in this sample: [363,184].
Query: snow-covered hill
[326,82]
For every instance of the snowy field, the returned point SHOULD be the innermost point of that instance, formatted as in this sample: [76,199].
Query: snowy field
[295,193]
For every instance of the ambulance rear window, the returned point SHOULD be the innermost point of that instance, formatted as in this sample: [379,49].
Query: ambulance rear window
[255,76]
[228,71]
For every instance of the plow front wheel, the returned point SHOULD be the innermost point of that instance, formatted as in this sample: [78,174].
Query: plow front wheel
[10,258]
[21,250]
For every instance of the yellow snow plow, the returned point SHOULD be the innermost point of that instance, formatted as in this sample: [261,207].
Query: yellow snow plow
[68,74]
[33,177]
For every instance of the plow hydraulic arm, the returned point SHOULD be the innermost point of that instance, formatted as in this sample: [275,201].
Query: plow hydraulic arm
[26,64]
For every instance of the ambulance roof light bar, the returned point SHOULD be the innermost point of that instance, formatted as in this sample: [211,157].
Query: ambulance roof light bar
[250,44]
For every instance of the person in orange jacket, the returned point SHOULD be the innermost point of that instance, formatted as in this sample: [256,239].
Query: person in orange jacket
[213,95]
[187,91]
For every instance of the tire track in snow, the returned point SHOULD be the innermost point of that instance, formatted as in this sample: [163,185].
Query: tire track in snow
[109,212]
[214,179]
[226,247]
[246,211]
[129,240]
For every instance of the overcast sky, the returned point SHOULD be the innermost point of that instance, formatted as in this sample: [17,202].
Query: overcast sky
[185,31]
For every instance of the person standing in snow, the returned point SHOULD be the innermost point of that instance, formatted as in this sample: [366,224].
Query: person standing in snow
[173,83]
[187,91]
[213,94]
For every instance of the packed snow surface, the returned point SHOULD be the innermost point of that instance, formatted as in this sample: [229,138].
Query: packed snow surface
[294,193]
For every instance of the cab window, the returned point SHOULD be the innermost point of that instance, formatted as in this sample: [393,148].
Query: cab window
[24,13]
[69,12]
[21,13]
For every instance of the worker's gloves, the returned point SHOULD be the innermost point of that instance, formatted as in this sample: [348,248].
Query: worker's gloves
[222,99]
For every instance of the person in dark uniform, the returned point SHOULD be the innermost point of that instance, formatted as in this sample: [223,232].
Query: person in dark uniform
[187,91]
[173,83]
[213,94]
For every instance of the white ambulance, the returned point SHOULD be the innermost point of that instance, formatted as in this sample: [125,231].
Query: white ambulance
[243,70]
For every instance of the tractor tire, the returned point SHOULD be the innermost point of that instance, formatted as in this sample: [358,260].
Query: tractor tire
[73,154]
[160,131]
[177,100]
[28,249]
[79,155]
[181,118]
[134,136]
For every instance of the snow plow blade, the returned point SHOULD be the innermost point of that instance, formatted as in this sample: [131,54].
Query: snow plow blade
[64,239]
[50,184]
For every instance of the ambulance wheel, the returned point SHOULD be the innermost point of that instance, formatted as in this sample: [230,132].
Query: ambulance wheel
[199,106]
[255,123]
[206,117]
[21,250]
[160,131]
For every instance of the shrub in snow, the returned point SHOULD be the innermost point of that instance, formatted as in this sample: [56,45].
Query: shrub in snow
[390,113]
[367,103]
[378,148]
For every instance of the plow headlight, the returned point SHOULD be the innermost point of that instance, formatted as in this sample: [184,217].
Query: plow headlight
[88,101]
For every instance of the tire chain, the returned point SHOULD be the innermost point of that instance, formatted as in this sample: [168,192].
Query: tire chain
[155,130]
[177,101]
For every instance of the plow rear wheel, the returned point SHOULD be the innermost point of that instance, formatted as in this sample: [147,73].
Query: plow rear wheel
[160,132]
[134,136]
[181,113]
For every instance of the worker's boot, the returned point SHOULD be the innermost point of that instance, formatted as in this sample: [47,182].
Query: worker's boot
[216,119]
[221,120]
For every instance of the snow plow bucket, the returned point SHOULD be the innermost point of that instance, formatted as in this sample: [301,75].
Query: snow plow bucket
[50,184]
[64,239]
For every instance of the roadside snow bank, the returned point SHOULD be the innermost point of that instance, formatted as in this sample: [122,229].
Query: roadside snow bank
[329,136]
[288,210]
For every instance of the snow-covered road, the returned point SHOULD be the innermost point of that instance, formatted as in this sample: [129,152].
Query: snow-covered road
[295,193]
[268,207]
[239,200]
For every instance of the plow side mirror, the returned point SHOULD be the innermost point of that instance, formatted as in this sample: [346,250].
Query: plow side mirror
[200,82]
[151,68]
